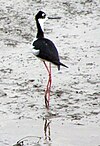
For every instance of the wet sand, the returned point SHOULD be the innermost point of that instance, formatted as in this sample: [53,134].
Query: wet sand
[74,115]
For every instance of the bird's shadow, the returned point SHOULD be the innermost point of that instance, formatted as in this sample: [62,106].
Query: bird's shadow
[47,130]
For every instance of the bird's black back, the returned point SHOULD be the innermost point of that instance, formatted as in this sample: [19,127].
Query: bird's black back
[48,50]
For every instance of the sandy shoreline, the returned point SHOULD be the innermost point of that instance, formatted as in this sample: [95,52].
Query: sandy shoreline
[61,133]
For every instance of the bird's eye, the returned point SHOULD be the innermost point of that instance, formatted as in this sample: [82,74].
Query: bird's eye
[43,14]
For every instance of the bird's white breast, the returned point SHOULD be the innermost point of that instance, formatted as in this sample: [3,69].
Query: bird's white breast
[35,51]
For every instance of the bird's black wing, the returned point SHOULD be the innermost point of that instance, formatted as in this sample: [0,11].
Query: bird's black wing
[47,50]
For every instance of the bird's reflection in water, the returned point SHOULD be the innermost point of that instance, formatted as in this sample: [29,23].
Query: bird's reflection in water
[47,132]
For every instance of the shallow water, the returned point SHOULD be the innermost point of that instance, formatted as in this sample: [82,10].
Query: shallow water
[74,115]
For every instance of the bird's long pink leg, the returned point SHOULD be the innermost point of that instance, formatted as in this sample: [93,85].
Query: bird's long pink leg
[47,92]
[50,80]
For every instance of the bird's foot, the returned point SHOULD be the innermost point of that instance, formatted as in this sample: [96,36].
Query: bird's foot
[46,102]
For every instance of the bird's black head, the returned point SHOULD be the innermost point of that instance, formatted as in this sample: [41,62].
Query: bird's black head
[40,15]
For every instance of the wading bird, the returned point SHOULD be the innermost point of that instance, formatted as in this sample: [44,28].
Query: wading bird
[45,49]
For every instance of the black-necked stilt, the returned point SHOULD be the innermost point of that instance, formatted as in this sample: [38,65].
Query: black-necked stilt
[46,50]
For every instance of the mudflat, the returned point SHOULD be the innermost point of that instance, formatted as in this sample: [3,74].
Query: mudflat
[73,118]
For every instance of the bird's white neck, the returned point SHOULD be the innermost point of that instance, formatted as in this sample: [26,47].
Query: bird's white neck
[41,22]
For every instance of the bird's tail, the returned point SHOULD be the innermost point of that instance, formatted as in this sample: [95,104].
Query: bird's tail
[62,65]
